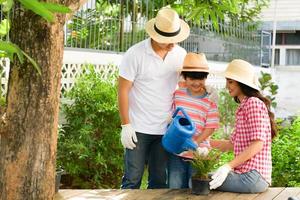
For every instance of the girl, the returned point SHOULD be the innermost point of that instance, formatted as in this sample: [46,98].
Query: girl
[250,170]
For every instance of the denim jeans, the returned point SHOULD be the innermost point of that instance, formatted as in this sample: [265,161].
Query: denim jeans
[179,172]
[149,151]
[249,182]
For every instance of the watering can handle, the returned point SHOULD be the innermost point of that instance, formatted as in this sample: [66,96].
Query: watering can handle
[183,112]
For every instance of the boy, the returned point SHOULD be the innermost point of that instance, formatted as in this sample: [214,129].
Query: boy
[197,102]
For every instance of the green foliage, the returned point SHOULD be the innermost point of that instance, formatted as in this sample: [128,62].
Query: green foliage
[205,164]
[217,11]
[227,107]
[45,10]
[268,87]
[89,147]
[286,156]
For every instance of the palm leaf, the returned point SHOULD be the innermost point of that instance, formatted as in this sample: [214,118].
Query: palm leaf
[11,49]
[38,8]
[56,8]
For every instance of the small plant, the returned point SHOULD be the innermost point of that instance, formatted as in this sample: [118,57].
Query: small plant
[202,165]
[205,164]
[268,87]
[227,107]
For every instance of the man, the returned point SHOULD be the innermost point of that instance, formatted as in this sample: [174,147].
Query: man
[148,77]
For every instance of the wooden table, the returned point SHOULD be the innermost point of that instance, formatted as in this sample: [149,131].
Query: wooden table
[166,194]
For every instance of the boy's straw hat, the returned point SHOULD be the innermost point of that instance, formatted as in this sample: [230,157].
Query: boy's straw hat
[194,62]
[243,72]
[167,27]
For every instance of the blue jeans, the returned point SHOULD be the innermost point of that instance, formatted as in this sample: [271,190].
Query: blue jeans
[149,151]
[179,172]
[249,182]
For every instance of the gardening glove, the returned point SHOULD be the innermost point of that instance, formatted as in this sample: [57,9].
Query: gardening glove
[219,177]
[202,151]
[128,136]
[212,93]
[169,119]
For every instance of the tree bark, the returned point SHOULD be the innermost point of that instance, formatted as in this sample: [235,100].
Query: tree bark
[29,138]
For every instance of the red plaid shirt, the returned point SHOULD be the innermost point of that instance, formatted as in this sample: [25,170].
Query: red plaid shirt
[253,123]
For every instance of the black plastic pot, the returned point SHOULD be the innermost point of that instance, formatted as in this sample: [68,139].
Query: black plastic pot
[200,186]
[57,178]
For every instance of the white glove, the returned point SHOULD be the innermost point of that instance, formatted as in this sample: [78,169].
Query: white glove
[219,177]
[202,151]
[169,119]
[212,93]
[128,136]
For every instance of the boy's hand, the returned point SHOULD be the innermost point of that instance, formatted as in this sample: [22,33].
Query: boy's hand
[202,151]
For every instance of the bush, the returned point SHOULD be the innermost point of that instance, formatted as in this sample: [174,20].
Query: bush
[89,147]
[227,107]
[286,156]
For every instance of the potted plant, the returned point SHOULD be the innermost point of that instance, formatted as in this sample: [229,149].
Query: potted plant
[202,166]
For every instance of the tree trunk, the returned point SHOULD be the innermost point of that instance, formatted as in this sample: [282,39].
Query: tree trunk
[28,140]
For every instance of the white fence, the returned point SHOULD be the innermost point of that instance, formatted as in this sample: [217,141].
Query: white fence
[106,63]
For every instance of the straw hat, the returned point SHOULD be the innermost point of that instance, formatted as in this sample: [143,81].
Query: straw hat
[167,27]
[194,62]
[243,72]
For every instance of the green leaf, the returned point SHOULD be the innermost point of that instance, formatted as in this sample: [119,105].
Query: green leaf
[214,20]
[4,27]
[7,5]
[35,65]
[56,8]
[38,8]
[11,49]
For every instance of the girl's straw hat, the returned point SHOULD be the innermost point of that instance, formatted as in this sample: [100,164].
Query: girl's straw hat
[167,27]
[194,62]
[243,72]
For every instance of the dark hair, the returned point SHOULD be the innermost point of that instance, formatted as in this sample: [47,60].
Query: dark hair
[250,92]
[195,75]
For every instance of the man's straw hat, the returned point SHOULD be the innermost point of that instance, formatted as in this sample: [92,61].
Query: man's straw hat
[194,62]
[167,27]
[243,72]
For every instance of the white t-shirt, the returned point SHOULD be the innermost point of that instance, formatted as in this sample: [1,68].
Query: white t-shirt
[154,82]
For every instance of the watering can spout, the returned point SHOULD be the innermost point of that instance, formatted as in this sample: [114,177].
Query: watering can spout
[179,135]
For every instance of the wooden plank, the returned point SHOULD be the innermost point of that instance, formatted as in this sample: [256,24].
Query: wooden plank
[169,194]
[246,196]
[271,193]
[287,192]
[68,193]
[224,196]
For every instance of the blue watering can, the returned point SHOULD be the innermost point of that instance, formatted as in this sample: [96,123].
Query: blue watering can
[178,137]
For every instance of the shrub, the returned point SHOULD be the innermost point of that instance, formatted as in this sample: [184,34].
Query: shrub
[227,107]
[268,87]
[286,156]
[89,147]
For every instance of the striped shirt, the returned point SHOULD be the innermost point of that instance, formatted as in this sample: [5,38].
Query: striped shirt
[201,109]
[253,123]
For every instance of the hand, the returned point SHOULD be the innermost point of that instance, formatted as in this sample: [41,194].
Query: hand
[212,93]
[169,119]
[202,151]
[128,136]
[220,176]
